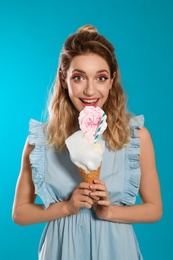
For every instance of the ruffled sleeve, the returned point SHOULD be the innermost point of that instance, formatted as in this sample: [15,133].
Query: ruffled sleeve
[37,137]
[133,172]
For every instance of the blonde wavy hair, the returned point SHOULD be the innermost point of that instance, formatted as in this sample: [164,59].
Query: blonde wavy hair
[63,116]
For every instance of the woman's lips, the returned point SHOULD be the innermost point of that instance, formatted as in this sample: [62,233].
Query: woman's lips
[89,102]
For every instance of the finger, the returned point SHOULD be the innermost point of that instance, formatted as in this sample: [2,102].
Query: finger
[98,181]
[101,187]
[104,202]
[87,202]
[85,192]
[82,191]
[87,199]
[100,194]
[95,198]
[84,185]
[87,205]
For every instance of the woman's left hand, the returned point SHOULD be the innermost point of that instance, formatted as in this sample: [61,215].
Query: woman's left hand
[101,206]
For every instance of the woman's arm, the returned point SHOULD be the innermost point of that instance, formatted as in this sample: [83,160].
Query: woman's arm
[151,208]
[26,212]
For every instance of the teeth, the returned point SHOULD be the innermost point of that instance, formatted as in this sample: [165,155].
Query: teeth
[89,100]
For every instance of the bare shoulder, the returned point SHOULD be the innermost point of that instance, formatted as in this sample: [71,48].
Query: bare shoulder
[146,145]
[145,138]
[144,134]
[28,148]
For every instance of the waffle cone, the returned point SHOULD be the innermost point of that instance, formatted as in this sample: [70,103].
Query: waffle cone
[89,177]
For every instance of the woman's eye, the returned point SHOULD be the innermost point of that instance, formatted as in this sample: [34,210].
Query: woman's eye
[102,78]
[77,78]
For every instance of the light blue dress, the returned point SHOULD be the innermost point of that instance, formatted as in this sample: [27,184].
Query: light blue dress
[84,236]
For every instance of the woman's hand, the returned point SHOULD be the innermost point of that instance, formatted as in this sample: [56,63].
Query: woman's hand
[101,206]
[80,198]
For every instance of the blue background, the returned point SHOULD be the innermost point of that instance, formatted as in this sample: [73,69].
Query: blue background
[31,36]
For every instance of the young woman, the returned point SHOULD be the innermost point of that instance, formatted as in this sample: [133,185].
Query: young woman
[88,75]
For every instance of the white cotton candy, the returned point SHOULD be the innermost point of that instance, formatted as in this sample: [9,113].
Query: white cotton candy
[84,154]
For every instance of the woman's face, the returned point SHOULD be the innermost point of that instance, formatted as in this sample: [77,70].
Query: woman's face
[88,81]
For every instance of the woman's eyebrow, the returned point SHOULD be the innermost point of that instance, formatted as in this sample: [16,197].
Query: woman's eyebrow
[81,71]
[100,71]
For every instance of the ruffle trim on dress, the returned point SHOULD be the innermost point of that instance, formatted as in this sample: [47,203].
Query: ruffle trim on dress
[37,137]
[133,173]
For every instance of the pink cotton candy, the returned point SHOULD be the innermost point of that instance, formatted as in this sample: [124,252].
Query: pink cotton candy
[89,120]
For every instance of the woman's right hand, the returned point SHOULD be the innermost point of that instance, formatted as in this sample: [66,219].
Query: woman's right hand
[80,198]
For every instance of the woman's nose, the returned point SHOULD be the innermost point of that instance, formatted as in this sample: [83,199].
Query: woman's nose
[89,88]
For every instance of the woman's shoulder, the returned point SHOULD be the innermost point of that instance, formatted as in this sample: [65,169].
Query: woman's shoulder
[146,143]
[139,130]
[140,137]
[143,132]
[136,123]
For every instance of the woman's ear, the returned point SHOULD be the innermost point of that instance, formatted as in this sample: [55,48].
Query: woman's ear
[62,79]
